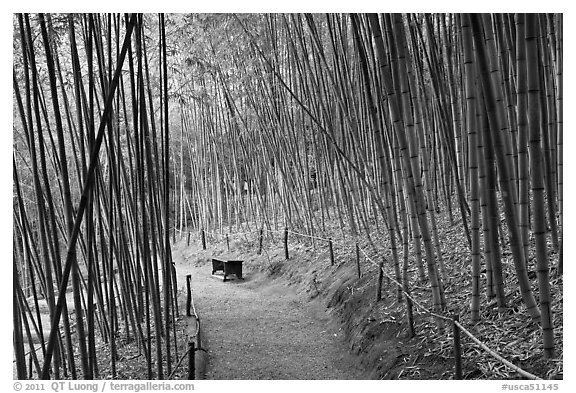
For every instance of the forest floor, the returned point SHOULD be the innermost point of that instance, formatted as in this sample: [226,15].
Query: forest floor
[305,319]
[286,307]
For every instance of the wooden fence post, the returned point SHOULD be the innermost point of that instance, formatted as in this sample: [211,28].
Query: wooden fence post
[203,239]
[380,277]
[260,241]
[331,247]
[358,259]
[191,360]
[286,243]
[457,348]
[189,291]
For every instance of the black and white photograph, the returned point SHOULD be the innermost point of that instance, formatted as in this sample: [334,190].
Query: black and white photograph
[358,198]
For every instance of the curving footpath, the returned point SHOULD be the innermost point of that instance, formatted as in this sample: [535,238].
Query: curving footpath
[260,329]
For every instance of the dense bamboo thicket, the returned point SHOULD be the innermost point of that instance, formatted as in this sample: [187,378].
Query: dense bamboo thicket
[381,123]
[91,194]
[129,127]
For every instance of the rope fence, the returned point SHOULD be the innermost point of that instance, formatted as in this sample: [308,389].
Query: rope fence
[457,326]
[194,343]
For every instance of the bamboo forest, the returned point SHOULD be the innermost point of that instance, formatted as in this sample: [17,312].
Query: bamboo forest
[287,196]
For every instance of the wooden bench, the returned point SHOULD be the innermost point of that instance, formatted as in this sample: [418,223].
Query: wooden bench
[228,266]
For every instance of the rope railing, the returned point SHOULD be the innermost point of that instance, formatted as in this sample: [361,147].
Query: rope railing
[180,362]
[310,236]
[191,307]
[192,346]
[461,327]
[495,355]
[414,301]
[420,306]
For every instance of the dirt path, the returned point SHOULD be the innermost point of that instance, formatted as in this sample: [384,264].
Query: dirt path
[260,329]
